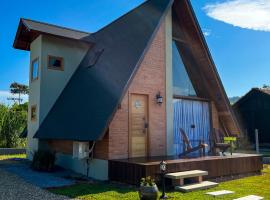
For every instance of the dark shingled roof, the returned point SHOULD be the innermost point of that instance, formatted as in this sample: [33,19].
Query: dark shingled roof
[54,30]
[88,102]
[265,90]
[29,30]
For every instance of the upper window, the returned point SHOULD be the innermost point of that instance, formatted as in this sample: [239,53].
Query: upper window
[182,85]
[34,69]
[34,113]
[56,63]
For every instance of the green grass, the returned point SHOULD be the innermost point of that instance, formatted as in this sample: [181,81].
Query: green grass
[6,157]
[256,185]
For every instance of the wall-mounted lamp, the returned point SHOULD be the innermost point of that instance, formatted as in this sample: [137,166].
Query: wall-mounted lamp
[159,98]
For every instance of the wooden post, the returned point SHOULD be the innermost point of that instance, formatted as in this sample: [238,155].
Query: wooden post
[178,182]
[198,179]
[257,141]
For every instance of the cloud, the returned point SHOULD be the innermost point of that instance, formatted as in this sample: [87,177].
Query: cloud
[206,32]
[4,95]
[248,14]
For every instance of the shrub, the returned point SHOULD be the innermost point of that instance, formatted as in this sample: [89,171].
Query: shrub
[43,161]
[148,181]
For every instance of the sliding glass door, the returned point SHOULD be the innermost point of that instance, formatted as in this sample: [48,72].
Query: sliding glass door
[193,117]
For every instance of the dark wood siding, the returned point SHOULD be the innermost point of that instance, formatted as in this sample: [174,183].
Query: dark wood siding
[132,170]
[253,111]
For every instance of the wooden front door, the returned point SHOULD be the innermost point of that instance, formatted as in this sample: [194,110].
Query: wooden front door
[138,130]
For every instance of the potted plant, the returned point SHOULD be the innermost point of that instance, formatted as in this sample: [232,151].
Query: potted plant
[148,189]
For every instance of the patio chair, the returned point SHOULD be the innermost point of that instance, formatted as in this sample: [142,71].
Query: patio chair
[219,143]
[188,147]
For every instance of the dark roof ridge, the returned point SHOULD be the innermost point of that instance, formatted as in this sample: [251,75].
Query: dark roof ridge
[265,90]
[57,26]
[254,89]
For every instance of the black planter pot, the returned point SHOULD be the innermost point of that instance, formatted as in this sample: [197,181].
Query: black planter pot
[148,192]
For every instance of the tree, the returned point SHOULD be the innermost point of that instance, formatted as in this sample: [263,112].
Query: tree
[17,88]
[265,86]
[12,122]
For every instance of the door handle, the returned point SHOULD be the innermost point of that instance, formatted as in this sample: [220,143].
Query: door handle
[192,126]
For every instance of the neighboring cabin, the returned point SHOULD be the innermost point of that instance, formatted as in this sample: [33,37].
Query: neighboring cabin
[127,88]
[253,111]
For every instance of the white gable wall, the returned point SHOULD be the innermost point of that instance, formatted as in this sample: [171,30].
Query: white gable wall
[45,91]
[169,85]
[34,97]
[54,81]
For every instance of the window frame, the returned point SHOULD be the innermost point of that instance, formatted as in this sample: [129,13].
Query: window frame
[32,67]
[61,68]
[33,118]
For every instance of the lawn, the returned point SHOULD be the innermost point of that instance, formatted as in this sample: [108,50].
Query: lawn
[256,185]
[6,157]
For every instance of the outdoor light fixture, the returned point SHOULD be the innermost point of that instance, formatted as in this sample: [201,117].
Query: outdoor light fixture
[159,98]
[163,168]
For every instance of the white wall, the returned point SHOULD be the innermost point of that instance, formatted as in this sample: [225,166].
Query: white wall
[34,96]
[98,169]
[45,91]
[169,84]
[54,81]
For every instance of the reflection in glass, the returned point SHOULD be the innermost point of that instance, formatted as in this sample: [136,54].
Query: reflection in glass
[181,82]
[34,74]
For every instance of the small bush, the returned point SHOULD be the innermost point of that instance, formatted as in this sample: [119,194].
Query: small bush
[148,181]
[43,161]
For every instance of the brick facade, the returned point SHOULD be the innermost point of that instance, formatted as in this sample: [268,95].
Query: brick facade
[149,80]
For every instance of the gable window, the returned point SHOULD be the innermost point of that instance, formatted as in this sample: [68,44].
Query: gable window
[34,112]
[56,63]
[34,69]
[182,85]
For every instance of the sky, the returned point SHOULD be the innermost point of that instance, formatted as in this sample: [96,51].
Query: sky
[237,33]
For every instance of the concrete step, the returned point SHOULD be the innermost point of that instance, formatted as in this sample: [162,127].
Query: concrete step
[197,186]
[250,197]
[220,193]
[186,174]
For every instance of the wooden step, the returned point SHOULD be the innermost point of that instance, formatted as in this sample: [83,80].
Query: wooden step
[197,186]
[186,174]
[250,197]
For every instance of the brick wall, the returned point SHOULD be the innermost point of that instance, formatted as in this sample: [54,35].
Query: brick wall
[61,146]
[149,79]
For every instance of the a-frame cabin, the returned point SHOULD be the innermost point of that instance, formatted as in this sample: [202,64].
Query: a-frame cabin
[126,90]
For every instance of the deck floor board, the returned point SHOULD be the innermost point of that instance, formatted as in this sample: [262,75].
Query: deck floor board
[132,170]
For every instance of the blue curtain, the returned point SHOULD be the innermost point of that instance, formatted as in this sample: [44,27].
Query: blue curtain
[186,114]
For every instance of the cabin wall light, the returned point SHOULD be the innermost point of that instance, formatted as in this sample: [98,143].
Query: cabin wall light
[159,98]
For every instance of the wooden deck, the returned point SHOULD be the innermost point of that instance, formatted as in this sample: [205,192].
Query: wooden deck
[132,170]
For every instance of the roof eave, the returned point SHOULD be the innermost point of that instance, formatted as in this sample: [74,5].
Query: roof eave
[33,34]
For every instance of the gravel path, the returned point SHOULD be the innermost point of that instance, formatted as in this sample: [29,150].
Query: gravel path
[14,188]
